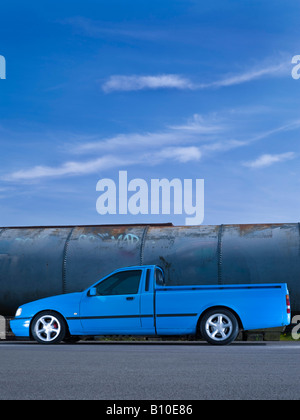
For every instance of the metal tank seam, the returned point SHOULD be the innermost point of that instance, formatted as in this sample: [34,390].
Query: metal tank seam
[143,240]
[220,255]
[64,266]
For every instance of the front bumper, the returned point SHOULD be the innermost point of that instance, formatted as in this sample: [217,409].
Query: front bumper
[20,327]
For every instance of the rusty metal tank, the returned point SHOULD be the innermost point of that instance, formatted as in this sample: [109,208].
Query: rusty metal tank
[37,262]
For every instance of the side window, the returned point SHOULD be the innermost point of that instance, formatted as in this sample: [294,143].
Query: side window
[122,283]
[159,277]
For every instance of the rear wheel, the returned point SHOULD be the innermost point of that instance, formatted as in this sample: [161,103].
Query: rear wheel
[48,328]
[219,326]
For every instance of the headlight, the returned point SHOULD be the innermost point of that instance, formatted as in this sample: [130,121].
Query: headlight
[19,311]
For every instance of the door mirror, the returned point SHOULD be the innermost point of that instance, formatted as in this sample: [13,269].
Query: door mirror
[160,280]
[92,291]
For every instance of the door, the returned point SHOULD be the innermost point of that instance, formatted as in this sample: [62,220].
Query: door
[115,309]
[174,313]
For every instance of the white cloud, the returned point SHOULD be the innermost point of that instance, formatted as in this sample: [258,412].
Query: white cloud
[197,129]
[173,81]
[268,160]
[68,168]
[248,76]
[132,83]
[180,154]
[199,124]
[199,138]
[152,148]
[130,141]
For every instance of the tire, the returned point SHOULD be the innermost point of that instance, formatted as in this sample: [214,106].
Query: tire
[219,327]
[48,328]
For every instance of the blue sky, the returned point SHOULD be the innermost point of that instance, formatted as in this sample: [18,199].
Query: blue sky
[162,89]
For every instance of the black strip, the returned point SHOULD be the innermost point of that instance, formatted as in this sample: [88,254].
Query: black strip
[127,316]
[172,315]
[110,317]
[19,318]
[217,287]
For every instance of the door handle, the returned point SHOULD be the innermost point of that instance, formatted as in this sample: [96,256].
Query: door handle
[129,298]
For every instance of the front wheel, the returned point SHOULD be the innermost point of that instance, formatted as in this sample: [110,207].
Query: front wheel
[219,326]
[48,328]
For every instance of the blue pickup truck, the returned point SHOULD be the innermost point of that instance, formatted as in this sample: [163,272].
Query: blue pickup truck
[136,301]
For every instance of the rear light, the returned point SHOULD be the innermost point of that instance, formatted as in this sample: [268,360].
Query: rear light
[288,305]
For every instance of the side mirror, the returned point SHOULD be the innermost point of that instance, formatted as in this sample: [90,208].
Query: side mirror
[92,291]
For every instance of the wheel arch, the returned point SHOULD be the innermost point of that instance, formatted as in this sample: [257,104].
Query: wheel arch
[241,327]
[52,311]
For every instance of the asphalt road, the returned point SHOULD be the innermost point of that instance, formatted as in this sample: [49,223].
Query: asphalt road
[150,371]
